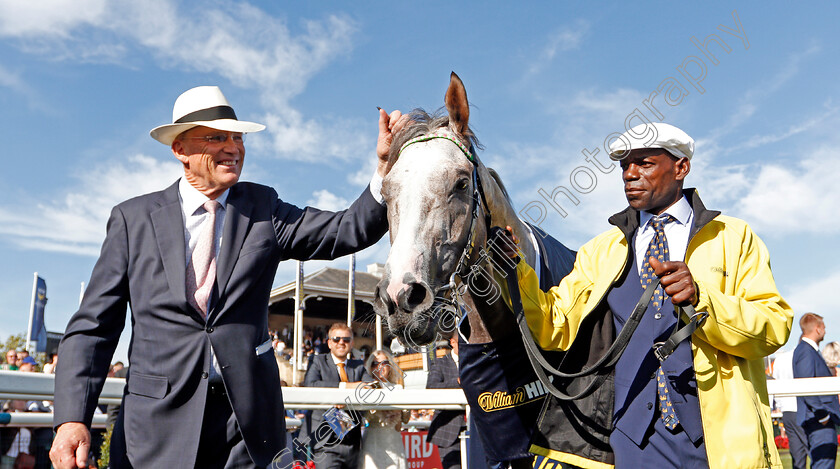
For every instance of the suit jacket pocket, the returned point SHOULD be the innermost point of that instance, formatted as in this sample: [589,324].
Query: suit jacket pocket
[147,385]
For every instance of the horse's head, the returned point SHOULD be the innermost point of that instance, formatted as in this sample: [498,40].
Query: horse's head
[429,192]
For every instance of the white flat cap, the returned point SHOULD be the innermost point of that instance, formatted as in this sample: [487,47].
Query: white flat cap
[653,135]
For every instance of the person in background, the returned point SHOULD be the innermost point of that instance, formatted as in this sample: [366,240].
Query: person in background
[797,441]
[447,425]
[49,368]
[11,361]
[383,447]
[28,364]
[818,415]
[336,369]
[831,354]
[20,442]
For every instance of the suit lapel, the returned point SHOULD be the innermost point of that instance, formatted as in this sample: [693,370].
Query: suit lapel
[333,368]
[237,219]
[168,224]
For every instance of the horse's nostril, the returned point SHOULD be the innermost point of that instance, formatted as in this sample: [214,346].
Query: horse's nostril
[384,299]
[412,296]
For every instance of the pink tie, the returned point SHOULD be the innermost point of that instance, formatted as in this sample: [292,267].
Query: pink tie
[201,271]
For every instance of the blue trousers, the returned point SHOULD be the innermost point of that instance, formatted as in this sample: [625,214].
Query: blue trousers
[661,449]
[822,442]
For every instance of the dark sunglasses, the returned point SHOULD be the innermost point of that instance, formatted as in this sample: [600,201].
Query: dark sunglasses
[346,340]
[375,364]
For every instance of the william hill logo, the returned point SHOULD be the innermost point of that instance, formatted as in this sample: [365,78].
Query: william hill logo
[500,400]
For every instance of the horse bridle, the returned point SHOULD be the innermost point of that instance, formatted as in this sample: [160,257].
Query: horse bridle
[479,200]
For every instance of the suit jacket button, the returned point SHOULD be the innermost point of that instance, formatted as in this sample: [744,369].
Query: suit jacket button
[205,375]
[650,405]
[209,330]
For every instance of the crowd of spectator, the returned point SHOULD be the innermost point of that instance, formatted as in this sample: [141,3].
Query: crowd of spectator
[17,444]
[36,442]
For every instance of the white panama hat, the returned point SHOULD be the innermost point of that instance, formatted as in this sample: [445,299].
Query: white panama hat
[202,106]
[653,135]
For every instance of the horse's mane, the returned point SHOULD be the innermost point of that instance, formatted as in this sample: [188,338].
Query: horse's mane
[498,180]
[423,123]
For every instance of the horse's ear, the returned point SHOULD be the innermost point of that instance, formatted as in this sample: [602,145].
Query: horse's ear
[457,105]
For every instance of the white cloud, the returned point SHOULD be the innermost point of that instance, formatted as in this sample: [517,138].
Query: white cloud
[239,42]
[795,129]
[817,297]
[326,200]
[48,18]
[317,140]
[76,222]
[563,39]
[797,198]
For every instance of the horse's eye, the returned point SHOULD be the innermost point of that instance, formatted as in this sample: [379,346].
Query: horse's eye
[462,185]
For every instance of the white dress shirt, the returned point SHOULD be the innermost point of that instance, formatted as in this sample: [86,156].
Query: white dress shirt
[783,369]
[341,384]
[676,232]
[194,217]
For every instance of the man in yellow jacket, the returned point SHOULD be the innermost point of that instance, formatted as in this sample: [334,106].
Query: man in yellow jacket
[706,404]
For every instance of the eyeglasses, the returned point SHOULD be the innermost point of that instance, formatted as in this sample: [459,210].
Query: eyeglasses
[346,340]
[218,139]
[382,363]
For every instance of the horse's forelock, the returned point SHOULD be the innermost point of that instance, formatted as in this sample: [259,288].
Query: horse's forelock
[423,123]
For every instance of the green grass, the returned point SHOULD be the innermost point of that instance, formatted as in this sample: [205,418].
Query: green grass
[785,455]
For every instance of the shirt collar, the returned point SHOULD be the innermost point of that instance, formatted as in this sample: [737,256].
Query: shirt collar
[680,210]
[811,343]
[337,360]
[191,198]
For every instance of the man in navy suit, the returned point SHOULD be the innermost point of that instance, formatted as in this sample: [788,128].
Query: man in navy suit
[336,369]
[196,262]
[446,426]
[817,415]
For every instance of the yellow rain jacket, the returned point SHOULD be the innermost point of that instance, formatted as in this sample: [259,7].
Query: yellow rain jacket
[748,320]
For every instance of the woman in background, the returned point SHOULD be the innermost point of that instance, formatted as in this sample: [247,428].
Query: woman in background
[831,355]
[383,444]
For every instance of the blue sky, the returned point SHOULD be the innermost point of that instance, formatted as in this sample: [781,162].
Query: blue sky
[82,83]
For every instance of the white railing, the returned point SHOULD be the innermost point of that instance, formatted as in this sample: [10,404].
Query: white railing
[803,387]
[40,387]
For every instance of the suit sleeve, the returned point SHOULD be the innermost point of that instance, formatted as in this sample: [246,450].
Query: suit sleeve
[92,334]
[310,233]
[752,320]
[804,366]
[436,380]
